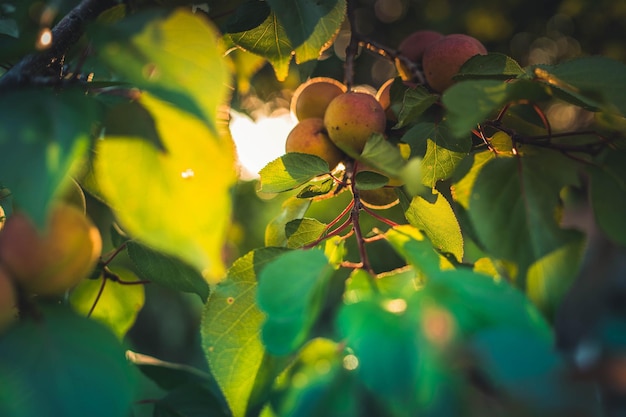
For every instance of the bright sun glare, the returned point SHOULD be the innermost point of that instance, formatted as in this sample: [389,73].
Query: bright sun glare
[259,141]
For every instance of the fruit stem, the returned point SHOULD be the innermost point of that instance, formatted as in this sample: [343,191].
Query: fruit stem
[95,302]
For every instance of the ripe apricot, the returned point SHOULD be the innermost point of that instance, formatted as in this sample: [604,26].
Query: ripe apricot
[379,198]
[414,45]
[351,119]
[8,300]
[2,217]
[309,136]
[443,59]
[52,261]
[311,98]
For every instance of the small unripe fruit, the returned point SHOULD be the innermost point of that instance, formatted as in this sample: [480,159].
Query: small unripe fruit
[311,99]
[351,119]
[309,136]
[444,58]
[8,300]
[414,45]
[50,262]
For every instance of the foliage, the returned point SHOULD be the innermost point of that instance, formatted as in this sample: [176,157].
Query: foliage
[455,316]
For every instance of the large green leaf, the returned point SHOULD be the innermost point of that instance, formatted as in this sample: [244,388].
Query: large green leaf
[177,201]
[290,293]
[513,206]
[166,270]
[438,221]
[176,57]
[303,231]
[441,151]
[608,195]
[291,171]
[42,135]
[63,365]
[231,329]
[293,208]
[491,66]
[310,25]
[117,306]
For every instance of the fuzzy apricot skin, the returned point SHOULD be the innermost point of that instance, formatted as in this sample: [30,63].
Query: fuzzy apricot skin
[414,45]
[311,98]
[351,119]
[51,261]
[444,58]
[310,136]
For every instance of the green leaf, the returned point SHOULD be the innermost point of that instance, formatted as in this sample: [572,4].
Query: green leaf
[551,276]
[231,328]
[316,189]
[293,208]
[117,306]
[176,57]
[415,248]
[441,150]
[491,66]
[462,189]
[470,102]
[370,180]
[130,119]
[301,232]
[248,15]
[268,40]
[416,101]
[290,291]
[309,25]
[438,221]
[51,367]
[382,155]
[191,400]
[291,171]
[176,202]
[398,283]
[525,191]
[43,134]
[608,192]
[166,270]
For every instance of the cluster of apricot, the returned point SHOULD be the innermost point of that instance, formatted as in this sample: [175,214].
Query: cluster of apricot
[334,124]
[45,262]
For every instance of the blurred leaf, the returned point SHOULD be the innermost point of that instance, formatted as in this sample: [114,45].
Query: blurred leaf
[438,221]
[492,66]
[118,305]
[301,232]
[382,155]
[176,57]
[248,15]
[49,368]
[293,208]
[291,171]
[608,192]
[168,375]
[441,151]
[166,270]
[176,202]
[231,328]
[525,191]
[415,248]
[309,25]
[550,277]
[335,250]
[462,189]
[190,400]
[398,283]
[130,119]
[246,66]
[416,101]
[290,291]
[268,40]
[43,134]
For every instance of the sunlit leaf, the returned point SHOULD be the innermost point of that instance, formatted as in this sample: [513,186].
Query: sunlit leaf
[309,25]
[438,221]
[462,189]
[291,171]
[293,208]
[315,189]
[301,232]
[289,293]
[492,66]
[42,136]
[166,270]
[231,329]
[177,201]
[49,368]
[117,306]
[410,243]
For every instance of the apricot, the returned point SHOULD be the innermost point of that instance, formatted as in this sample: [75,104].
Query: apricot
[414,45]
[351,119]
[309,136]
[8,300]
[379,198]
[2,217]
[311,98]
[443,59]
[51,261]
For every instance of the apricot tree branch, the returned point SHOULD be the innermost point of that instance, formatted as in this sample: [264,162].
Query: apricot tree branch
[64,35]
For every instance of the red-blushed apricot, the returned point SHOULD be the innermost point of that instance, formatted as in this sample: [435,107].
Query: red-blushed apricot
[351,119]
[8,300]
[310,136]
[50,262]
[311,98]
[414,45]
[443,59]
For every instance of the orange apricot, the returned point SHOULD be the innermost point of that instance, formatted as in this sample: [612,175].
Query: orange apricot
[311,98]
